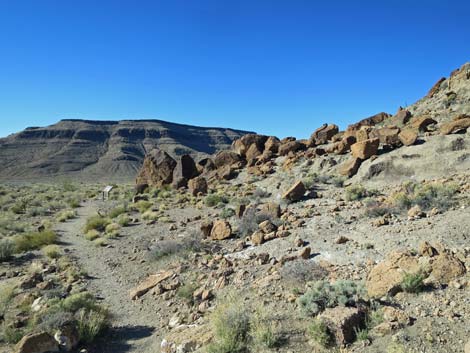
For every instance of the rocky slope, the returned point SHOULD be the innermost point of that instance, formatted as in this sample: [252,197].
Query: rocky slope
[99,150]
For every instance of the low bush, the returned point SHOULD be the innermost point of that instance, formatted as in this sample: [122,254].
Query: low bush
[230,323]
[92,234]
[168,248]
[52,251]
[413,282]
[356,192]
[142,205]
[90,323]
[426,196]
[250,220]
[227,213]
[320,333]
[97,223]
[117,211]
[7,248]
[150,215]
[322,295]
[299,272]
[66,215]
[263,331]
[34,240]
[186,291]
[214,200]
[123,220]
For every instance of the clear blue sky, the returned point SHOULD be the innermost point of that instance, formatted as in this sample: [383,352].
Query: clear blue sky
[278,67]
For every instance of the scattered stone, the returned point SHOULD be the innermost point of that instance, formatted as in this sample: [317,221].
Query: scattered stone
[341,240]
[267,226]
[305,253]
[206,228]
[150,282]
[415,212]
[197,186]
[257,238]
[343,323]
[295,193]
[221,230]
[446,267]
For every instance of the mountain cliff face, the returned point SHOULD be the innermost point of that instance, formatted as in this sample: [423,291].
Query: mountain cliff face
[102,150]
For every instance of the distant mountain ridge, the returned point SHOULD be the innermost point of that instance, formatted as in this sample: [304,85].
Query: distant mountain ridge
[102,150]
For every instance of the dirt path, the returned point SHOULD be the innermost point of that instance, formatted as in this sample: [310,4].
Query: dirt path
[133,329]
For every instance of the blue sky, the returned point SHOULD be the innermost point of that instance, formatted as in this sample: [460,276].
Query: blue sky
[280,67]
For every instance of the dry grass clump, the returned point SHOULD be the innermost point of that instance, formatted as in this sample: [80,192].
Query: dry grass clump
[34,240]
[52,251]
[92,234]
[66,215]
[7,249]
[357,192]
[150,215]
[97,223]
[427,196]
[300,272]
[213,200]
[176,248]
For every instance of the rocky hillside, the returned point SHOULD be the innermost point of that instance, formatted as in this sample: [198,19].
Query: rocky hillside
[98,150]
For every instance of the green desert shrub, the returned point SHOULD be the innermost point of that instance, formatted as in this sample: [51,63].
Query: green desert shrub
[322,295]
[215,200]
[230,323]
[66,215]
[92,234]
[34,240]
[186,291]
[98,242]
[10,334]
[356,192]
[142,205]
[97,223]
[150,215]
[52,251]
[90,323]
[320,333]
[413,282]
[123,220]
[7,248]
[117,211]
[227,213]
[263,331]
[426,196]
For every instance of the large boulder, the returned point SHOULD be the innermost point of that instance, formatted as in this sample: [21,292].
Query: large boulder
[370,121]
[323,134]
[197,186]
[446,267]
[436,87]
[385,278]
[401,117]
[272,144]
[295,192]
[157,169]
[244,143]
[290,146]
[343,323]
[205,165]
[41,342]
[421,123]
[185,169]
[228,158]
[221,230]
[365,149]
[350,167]
[408,137]
[454,127]
[387,135]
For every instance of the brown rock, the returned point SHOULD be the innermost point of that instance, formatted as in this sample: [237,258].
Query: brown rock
[408,137]
[421,123]
[157,169]
[296,192]
[267,226]
[446,267]
[272,144]
[343,323]
[370,121]
[401,117]
[205,165]
[257,238]
[271,209]
[350,167]
[323,134]
[436,87]
[140,189]
[244,143]
[365,149]
[425,249]
[454,127]
[185,169]
[37,343]
[363,133]
[415,212]
[386,135]
[305,253]
[290,146]
[226,172]
[197,185]
[221,230]
[228,159]
[385,277]
[206,228]
[240,210]
[150,282]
